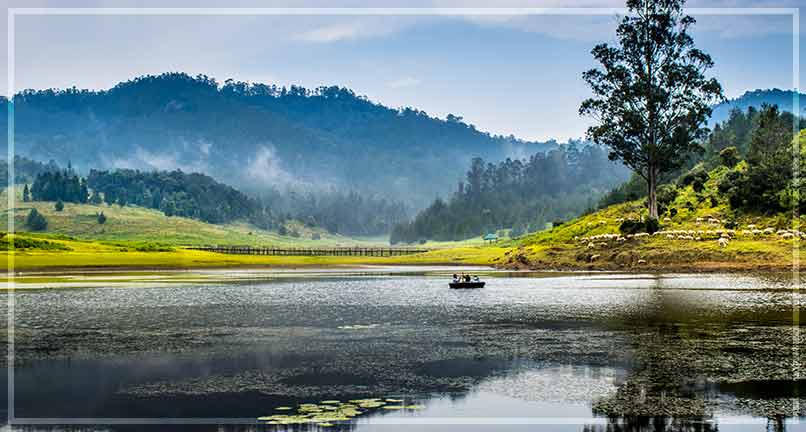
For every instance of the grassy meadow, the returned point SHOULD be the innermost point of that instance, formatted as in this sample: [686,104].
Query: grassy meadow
[136,237]
[557,248]
[147,225]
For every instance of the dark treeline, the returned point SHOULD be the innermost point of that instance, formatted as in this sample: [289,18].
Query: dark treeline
[523,195]
[347,213]
[764,139]
[198,196]
[756,145]
[25,170]
[327,135]
[176,193]
[60,185]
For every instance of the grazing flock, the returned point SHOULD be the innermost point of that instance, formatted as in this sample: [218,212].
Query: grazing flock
[709,229]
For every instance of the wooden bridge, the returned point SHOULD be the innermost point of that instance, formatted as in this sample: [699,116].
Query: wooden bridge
[334,251]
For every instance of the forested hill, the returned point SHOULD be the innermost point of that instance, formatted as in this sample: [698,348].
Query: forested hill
[523,195]
[254,135]
[756,98]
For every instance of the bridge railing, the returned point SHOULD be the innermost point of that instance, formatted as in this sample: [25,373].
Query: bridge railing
[333,251]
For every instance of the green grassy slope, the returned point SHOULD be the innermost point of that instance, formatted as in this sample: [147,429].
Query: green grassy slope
[142,224]
[750,247]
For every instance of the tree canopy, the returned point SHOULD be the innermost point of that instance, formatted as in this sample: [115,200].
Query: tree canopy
[650,95]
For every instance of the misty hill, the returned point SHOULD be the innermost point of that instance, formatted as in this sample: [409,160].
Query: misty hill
[757,98]
[256,136]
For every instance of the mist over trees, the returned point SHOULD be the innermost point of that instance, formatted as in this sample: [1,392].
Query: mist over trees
[25,170]
[251,135]
[176,193]
[523,195]
[340,212]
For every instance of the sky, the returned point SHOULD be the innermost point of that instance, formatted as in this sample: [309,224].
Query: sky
[507,74]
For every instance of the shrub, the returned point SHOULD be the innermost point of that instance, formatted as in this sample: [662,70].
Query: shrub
[282,230]
[316,236]
[557,223]
[59,206]
[731,224]
[714,202]
[101,218]
[729,156]
[36,222]
[636,226]
[666,194]
[672,212]
[652,225]
[696,178]
[631,227]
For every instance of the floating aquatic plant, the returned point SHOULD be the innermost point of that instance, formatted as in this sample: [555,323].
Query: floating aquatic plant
[326,412]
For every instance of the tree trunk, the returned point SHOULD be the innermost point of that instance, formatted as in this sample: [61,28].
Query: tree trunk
[652,184]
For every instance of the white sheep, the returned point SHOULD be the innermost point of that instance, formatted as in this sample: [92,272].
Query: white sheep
[723,242]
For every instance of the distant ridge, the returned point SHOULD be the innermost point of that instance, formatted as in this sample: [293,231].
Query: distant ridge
[256,135]
[756,98]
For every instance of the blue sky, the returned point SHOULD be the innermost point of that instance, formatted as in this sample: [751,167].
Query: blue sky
[505,74]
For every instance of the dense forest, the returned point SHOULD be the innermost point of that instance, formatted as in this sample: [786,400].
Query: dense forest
[198,196]
[349,213]
[175,193]
[756,145]
[25,170]
[254,135]
[523,195]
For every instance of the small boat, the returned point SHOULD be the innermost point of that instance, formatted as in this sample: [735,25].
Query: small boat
[458,285]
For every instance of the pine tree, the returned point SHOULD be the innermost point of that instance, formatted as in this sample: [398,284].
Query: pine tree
[59,206]
[26,194]
[101,218]
[35,221]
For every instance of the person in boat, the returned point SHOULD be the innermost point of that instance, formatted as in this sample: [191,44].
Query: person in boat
[467,278]
[475,278]
[455,278]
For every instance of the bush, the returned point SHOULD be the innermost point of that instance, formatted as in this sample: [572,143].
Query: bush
[637,226]
[666,194]
[631,227]
[316,236]
[35,221]
[652,225]
[729,156]
[731,224]
[282,230]
[101,218]
[557,223]
[714,202]
[59,206]
[696,178]
[672,212]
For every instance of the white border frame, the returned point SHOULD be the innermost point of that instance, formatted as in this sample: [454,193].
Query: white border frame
[369,11]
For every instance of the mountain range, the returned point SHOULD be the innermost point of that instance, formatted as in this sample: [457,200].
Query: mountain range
[258,136]
[255,135]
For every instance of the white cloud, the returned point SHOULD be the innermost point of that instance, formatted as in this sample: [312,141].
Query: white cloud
[332,33]
[404,82]
[265,167]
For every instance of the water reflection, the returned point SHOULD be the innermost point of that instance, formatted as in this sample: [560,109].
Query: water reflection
[592,351]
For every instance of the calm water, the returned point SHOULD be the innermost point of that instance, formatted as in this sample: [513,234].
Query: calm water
[530,351]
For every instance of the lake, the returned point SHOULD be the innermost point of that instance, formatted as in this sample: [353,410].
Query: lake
[556,351]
